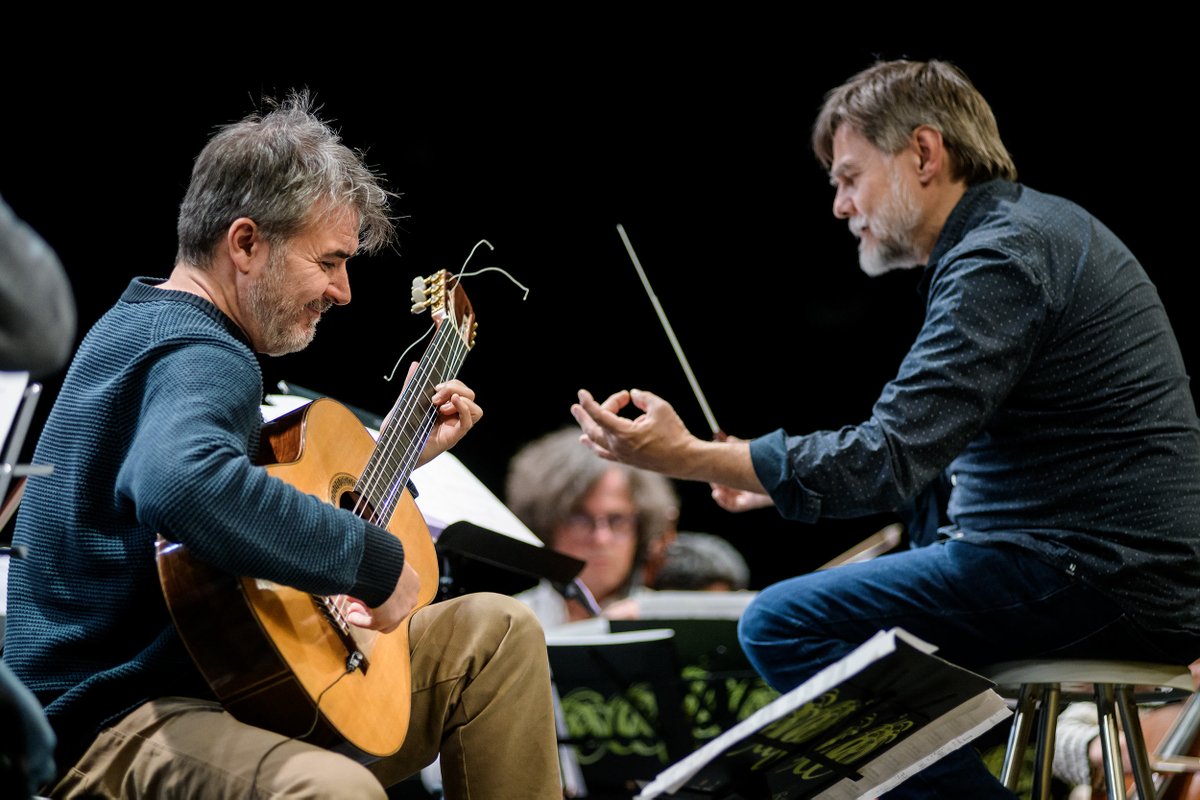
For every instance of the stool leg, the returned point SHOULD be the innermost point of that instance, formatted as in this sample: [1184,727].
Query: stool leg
[1047,724]
[1018,735]
[1110,744]
[1179,738]
[1135,743]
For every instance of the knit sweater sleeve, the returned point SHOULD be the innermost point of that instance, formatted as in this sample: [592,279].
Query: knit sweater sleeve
[188,475]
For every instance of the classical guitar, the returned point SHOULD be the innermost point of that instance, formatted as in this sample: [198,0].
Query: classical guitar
[270,653]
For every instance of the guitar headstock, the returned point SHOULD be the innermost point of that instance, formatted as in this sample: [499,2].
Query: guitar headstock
[442,293]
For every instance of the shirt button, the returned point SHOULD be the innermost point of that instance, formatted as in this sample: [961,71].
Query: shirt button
[954,479]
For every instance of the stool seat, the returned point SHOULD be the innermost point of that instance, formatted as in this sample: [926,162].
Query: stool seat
[1082,674]
[1040,685]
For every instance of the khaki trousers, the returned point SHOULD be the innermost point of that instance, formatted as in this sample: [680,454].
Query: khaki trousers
[480,697]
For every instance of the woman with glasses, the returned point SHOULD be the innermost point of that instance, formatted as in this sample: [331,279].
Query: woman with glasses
[609,515]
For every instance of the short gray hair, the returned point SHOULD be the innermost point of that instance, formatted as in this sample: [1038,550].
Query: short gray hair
[888,101]
[282,170]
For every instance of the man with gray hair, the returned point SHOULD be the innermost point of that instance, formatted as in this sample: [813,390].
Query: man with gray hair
[1045,392]
[156,431]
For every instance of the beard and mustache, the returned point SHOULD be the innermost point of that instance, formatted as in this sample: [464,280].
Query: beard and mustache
[281,323]
[892,226]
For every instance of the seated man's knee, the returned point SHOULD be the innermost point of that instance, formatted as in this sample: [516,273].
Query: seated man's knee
[509,620]
[498,606]
[756,629]
[762,622]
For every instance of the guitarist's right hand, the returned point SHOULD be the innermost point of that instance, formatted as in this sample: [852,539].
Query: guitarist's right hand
[387,617]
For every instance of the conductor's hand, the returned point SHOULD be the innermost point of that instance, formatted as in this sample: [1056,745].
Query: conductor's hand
[386,617]
[656,439]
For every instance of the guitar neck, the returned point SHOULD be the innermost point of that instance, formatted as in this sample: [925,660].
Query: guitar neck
[403,436]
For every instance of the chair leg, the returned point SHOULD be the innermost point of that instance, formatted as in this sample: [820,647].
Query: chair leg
[1143,780]
[1018,735]
[1179,738]
[1110,743]
[1047,724]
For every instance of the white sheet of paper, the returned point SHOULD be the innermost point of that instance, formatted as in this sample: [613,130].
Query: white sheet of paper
[12,389]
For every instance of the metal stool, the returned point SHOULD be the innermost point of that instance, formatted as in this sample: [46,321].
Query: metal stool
[1040,687]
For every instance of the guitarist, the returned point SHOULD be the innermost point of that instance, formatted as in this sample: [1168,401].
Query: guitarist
[155,431]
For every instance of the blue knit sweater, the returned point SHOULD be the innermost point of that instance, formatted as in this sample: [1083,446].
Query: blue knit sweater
[154,431]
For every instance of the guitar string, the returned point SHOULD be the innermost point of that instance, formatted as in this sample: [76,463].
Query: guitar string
[383,506]
[412,452]
[399,360]
[370,477]
[385,498]
[394,440]
[401,411]
[368,492]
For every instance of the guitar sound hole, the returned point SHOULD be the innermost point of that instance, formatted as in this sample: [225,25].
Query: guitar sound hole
[352,501]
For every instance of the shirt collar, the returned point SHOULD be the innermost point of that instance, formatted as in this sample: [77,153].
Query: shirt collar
[144,290]
[963,217]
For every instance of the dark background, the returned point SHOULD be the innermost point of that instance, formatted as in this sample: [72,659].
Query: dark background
[692,134]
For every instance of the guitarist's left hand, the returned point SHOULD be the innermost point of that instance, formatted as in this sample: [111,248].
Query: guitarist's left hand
[457,413]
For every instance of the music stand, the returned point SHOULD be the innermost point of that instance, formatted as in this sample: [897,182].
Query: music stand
[476,559]
[621,712]
[18,397]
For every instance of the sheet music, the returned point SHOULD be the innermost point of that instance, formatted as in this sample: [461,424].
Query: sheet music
[947,732]
[448,492]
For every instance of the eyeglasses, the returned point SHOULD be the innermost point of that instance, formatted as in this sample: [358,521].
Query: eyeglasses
[619,525]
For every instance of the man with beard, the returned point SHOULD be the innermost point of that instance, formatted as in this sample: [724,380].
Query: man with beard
[1042,419]
[155,431]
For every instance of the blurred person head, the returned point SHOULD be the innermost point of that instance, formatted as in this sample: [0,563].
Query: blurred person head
[702,562]
[603,513]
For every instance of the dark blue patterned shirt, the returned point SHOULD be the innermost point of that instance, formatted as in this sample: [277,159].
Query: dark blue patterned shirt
[1047,385]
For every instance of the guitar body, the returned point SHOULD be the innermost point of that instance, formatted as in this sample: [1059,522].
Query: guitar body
[269,651]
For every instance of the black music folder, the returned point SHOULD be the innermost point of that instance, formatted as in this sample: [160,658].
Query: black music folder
[854,730]
[718,685]
[619,695]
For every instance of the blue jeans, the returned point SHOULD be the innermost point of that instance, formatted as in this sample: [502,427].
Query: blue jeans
[979,604]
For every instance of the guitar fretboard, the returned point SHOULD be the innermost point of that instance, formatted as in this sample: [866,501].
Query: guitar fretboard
[408,426]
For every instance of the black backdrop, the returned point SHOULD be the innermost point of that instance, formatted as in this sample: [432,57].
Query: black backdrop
[694,138]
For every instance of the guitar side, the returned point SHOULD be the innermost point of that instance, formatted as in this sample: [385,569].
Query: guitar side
[269,651]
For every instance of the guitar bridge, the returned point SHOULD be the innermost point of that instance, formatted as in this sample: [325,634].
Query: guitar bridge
[357,641]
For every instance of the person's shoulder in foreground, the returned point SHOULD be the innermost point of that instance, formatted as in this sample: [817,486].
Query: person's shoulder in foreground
[37,305]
